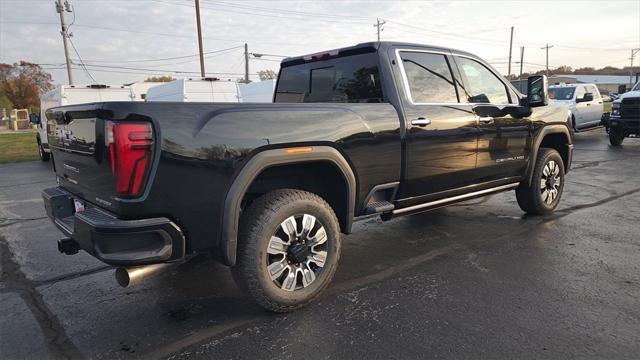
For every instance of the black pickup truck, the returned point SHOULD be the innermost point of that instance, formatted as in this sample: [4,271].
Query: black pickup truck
[378,128]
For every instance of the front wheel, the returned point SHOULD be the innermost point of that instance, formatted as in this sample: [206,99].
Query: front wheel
[44,156]
[543,194]
[616,137]
[288,249]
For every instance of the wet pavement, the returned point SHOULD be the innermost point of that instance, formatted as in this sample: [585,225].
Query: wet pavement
[474,280]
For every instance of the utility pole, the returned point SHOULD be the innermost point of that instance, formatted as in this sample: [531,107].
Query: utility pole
[633,54]
[246,63]
[510,48]
[521,62]
[60,9]
[547,48]
[200,39]
[378,26]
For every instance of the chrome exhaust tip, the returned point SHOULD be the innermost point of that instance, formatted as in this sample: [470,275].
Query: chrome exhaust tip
[129,276]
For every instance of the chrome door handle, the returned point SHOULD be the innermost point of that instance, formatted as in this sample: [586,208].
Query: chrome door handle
[422,122]
[485,119]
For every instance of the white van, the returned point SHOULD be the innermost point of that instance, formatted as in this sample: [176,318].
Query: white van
[196,90]
[71,95]
[584,102]
[139,89]
[259,91]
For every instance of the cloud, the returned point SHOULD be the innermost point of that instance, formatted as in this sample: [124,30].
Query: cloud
[112,33]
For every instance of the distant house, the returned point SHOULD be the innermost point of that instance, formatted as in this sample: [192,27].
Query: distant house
[606,83]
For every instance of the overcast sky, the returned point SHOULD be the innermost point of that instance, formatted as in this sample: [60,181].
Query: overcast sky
[112,36]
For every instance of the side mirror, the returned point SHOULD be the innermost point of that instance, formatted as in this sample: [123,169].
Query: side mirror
[587,97]
[537,91]
[34,118]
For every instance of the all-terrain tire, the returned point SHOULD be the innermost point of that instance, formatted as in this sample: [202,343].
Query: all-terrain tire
[44,156]
[259,224]
[532,197]
[616,137]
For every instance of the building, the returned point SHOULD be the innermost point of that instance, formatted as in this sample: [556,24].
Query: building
[606,83]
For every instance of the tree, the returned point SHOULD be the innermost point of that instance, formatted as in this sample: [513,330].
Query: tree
[23,83]
[5,103]
[267,74]
[164,78]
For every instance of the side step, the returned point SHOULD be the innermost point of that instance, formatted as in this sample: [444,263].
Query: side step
[379,207]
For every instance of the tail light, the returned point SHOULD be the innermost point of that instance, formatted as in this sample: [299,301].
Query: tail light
[130,147]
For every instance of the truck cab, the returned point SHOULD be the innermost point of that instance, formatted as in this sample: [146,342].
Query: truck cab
[583,100]
[625,116]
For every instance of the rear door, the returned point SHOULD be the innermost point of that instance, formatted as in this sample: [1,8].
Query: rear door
[502,139]
[441,133]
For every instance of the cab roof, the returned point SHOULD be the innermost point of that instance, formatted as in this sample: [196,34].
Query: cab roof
[363,48]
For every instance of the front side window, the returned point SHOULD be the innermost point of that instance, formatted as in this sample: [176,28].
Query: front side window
[481,85]
[350,79]
[594,92]
[580,91]
[429,78]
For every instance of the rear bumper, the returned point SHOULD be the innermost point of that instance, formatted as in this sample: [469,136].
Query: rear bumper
[111,240]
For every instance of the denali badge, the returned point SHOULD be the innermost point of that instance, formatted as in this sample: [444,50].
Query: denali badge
[514,158]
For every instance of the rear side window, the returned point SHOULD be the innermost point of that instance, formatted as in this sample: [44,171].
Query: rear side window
[429,78]
[351,79]
[481,85]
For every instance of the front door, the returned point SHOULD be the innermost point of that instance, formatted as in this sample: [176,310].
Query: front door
[503,138]
[441,138]
[581,114]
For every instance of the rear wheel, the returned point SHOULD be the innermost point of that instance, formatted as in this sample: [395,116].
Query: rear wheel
[616,136]
[543,194]
[288,249]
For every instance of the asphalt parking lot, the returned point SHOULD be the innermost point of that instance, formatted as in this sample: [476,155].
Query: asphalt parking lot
[475,280]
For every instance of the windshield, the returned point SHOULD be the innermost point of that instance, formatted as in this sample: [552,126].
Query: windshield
[563,93]
[353,79]
[637,87]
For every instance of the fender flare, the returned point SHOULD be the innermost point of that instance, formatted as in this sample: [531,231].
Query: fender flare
[262,161]
[535,146]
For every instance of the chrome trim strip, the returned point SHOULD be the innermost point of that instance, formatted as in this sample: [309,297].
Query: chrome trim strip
[455,198]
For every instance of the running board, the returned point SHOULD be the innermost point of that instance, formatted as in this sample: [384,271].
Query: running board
[443,202]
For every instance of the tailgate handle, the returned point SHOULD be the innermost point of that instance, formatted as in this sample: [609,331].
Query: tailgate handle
[485,119]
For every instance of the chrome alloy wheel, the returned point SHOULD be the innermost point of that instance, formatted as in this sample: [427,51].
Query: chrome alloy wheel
[550,182]
[297,252]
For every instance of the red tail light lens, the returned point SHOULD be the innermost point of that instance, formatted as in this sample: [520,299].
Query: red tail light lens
[130,146]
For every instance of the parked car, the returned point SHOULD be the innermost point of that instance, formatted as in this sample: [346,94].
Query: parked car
[625,116]
[70,95]
[382,128]
[584,102]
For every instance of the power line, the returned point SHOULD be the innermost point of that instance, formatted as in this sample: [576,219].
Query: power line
[269,15]
[84,67]
[165,59]
[287,11]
